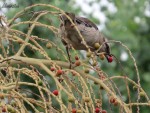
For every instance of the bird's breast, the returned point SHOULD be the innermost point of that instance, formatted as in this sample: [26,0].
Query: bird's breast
[74,39]
[90,35]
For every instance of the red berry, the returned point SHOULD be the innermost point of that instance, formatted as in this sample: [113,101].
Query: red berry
[97,110]
[3,109]
[112,100]
[52,69]
[55,92]
[77,63]
[76,57]
[104,111]
[110,59]
[59,72]
[74,110]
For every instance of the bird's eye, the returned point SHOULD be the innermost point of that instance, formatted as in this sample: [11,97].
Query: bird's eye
[107,48]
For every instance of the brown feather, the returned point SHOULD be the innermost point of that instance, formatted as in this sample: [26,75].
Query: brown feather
[87,22]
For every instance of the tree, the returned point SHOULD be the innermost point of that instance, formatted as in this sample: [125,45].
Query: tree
[33,77]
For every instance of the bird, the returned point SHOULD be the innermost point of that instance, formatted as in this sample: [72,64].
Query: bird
[89,31]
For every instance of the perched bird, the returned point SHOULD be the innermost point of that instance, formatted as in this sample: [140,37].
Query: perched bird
[88,30]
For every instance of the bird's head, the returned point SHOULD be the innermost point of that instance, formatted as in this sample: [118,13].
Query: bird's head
[108,56]
[65,17]
[106,49]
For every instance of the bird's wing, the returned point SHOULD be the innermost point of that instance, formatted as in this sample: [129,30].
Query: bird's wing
[86,22]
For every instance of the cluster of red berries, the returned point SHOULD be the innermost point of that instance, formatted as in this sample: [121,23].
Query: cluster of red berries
[98,110]
[77,62]
[58,72]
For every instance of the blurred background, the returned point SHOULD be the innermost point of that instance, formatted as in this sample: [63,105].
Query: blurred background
[127,21]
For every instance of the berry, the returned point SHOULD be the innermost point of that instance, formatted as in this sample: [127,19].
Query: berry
[102,56]
[74,110]
[59,72]
[86,70]
[77,63]
[20,41]
[1,96]
[55,92]
[71,99]
[112,100]
[104,111]
[94,63]
[142,94]
[97,110]
[40,83]
[3,109]
[110,59]
[76,57]
[88,54]
[9,109]
[52,69]
[48,45]
[86,99]
[13,103]
[96,45]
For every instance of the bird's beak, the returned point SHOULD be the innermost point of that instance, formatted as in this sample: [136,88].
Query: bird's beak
[107,56]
